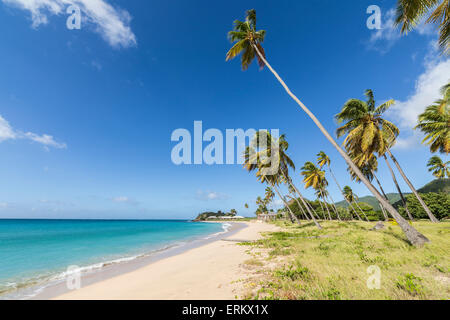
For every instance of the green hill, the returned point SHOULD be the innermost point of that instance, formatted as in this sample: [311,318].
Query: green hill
[372,201]
[205,215]
[438,185]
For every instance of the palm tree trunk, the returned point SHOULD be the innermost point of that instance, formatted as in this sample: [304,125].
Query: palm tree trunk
[384,212]
[424,206]
[312,210]
[291,214]
[325,203]
[381,188]
[384,194]
[398,188]
[303,201]
[299,206]
[340,189]
[362,211]
[335,208]
[414,236]
[323,210]
[350,213]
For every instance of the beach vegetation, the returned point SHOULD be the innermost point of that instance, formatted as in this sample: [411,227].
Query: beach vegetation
[332,263]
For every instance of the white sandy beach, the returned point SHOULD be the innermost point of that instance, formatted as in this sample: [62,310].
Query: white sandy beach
[206,272]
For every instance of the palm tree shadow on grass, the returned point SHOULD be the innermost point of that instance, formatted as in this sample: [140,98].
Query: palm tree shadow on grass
[302,226]
[398,236]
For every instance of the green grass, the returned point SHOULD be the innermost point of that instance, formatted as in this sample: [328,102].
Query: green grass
[302,262]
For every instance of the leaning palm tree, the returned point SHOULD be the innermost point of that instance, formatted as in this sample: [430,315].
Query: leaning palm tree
[411,12]
[324,160]
[258,160]
[435,123]
[368,133]
[293,197]
[315,178]
[271,150]
[275,180]
[269,194]
[261,203]
[328,200]
[248,43]
[350,197]
[320,197]
[402,197]
[438,168]
[368,169]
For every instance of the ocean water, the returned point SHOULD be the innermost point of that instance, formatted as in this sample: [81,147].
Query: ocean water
[38,251]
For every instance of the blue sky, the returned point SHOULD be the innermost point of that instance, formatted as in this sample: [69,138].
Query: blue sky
[87,115]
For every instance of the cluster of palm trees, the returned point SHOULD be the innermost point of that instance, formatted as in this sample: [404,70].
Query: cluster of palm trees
[263,203]
[434,122]
[368,137]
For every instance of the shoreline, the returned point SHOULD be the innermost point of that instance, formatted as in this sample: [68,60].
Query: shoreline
[207,270]
[52,289]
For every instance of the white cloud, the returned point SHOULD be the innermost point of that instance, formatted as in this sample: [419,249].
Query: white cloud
[123,199]
[278,203]
[46,140]
[384,38]
[211,195]
[426,92]
[8,133]
[111,23]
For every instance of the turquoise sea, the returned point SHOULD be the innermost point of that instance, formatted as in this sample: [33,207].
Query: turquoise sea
[38,251]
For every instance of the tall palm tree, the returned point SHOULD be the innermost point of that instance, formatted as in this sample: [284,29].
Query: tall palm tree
[411,12]
[315,178]
[324,160]
[439,169]
[368,133]
[269,194]
[248,43]
[350,196]
[262,204]
[435,123]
